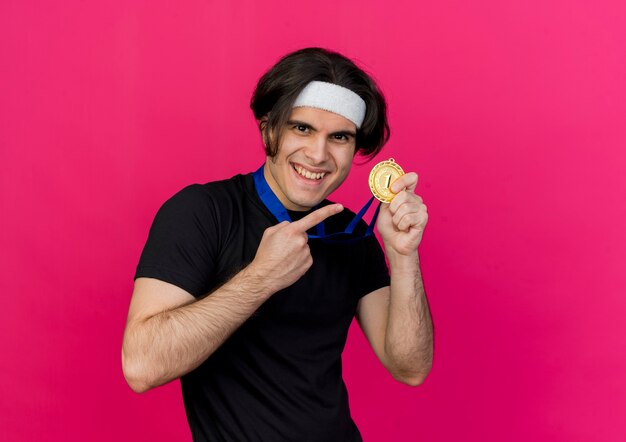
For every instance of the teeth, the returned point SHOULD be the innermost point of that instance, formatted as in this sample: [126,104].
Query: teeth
[312,176]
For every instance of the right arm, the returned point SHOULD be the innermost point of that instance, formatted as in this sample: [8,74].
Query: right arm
[160,346]
[168,333]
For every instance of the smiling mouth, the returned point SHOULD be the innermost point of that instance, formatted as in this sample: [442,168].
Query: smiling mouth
[307,174]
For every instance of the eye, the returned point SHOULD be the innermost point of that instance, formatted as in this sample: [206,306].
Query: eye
[343,138]
[301,127]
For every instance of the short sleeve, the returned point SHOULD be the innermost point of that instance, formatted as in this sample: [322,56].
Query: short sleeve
[375,270]
[181,244]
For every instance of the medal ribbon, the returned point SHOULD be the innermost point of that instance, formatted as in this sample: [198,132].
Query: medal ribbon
[277,209]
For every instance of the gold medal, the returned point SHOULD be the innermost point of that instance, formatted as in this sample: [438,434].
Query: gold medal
[382,177]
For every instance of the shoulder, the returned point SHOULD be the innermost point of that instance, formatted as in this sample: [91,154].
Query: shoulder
[208,196]
[200,210]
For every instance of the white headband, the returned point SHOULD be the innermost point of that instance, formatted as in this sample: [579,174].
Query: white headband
[333,98]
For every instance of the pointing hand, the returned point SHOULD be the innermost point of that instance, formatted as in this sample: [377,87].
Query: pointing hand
[283,255]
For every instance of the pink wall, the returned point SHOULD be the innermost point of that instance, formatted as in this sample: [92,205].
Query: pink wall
[512,113]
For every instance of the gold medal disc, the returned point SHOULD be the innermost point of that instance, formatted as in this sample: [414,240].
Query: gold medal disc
[382,177]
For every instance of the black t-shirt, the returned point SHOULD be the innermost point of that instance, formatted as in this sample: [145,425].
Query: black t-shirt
[278,377]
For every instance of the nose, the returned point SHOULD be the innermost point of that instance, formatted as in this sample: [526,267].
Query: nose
[317,150]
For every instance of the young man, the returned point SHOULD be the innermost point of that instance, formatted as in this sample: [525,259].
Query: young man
[235,298]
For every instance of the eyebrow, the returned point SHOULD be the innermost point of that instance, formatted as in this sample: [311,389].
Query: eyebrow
[347,132]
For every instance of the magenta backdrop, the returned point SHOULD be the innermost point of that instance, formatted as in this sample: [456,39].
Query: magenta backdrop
[512,114]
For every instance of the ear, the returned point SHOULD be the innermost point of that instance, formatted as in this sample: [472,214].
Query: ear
[262,124]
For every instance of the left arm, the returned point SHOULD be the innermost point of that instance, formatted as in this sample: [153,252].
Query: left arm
[396,319]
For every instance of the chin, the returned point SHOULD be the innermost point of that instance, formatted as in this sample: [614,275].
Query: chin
[304,205]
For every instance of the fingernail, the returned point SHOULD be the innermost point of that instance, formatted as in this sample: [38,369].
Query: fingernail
[339,208]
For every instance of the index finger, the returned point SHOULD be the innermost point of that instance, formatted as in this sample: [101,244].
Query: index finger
[314,218]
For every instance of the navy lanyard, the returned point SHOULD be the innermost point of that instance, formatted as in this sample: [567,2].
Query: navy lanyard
[277,209]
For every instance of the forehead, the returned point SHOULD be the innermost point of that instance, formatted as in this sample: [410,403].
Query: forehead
[322,119]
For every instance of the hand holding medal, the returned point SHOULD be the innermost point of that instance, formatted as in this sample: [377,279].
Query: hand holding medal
[403,217]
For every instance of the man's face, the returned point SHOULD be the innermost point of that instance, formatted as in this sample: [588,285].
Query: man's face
[314,157]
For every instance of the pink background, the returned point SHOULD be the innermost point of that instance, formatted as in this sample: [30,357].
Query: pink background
[512,114]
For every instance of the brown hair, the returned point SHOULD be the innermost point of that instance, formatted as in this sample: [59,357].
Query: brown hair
[279,87]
